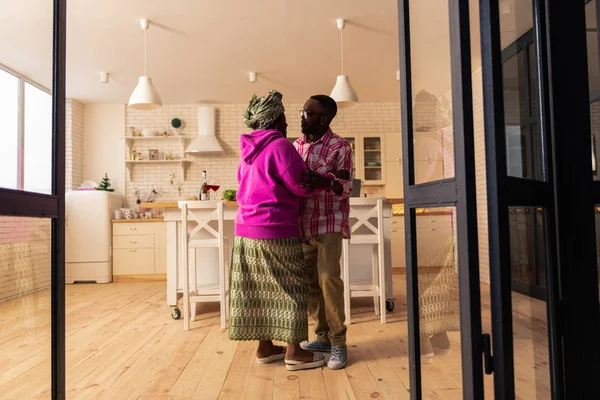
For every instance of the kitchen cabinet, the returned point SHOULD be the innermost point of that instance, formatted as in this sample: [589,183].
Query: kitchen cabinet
[435,240]
[139,248]
[398,241]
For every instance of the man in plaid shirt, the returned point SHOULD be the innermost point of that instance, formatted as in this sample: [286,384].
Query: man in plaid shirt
[323,225]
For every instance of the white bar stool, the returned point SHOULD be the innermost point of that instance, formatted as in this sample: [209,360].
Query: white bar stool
[377,287]
[197,233]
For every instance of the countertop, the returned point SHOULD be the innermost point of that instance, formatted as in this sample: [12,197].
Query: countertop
[173,204]
[121,221]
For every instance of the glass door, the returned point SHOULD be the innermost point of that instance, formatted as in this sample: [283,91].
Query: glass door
[542,263]
[446,341]
[32,192]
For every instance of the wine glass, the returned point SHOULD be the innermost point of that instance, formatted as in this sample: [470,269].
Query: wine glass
[215,184]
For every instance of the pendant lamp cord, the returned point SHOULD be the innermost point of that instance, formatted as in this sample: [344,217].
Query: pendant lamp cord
[342,48]
[145,53]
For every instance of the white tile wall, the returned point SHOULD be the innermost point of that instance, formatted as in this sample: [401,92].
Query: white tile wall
[365,118]
[74,144]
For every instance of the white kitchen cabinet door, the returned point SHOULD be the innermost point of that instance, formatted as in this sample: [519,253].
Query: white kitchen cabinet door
[160,248]
[398,242]
[394,184]
[133,261]
[393,147]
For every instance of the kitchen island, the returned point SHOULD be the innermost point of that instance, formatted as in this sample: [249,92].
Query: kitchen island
[206,259]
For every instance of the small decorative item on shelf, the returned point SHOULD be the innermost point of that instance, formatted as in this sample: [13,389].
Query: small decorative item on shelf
[169,157]
[132,131]
[105,184]
[153,155]
[176,123]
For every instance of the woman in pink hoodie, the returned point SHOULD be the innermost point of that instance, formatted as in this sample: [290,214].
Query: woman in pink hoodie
[269,281]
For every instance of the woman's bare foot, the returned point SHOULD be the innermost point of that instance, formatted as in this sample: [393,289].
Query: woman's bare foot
[295,353]
[266,348]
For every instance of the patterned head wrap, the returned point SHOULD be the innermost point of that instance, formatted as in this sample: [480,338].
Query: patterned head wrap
[263,111]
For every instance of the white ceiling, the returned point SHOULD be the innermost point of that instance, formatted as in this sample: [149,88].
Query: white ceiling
[202,50]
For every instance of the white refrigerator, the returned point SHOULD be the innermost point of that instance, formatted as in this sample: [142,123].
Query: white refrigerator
[89,235]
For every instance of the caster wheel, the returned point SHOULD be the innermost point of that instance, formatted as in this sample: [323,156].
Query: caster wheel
[389,305]
[176,314]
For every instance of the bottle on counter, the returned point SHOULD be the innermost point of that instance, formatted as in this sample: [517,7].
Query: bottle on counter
[203,188]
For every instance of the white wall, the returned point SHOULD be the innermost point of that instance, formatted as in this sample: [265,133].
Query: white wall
[104,143]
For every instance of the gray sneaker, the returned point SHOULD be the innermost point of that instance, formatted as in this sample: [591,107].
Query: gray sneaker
[316,346]
[338,358]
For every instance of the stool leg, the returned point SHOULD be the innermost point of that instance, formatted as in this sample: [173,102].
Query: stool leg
[192,267]
[375,277]
[346,279]
[382,282]
[186,277]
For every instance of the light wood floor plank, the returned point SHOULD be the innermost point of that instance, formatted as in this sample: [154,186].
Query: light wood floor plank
[123,344]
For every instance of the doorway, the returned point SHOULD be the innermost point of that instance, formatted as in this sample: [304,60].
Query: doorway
[514,153]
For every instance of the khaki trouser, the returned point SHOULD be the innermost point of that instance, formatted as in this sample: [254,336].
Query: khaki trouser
[326,294]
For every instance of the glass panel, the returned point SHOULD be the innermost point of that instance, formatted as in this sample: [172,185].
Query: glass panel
[524,154]
[592,48]
[597,219]
[9,133]
[530,337]
[439,303]
[533,99]
[38,140]
[372,158]
[431,85]
[594,79]
[25,262]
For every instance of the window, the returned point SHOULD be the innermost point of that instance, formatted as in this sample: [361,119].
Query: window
[26,151]
[9,130]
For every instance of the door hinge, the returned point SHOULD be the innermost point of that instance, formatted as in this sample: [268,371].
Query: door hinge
[488,359]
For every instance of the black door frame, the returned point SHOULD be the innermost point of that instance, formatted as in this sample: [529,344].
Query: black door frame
[567,196]
[458,192]
[26,204]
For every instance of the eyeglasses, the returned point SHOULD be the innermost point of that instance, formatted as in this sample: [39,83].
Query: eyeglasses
[305,114]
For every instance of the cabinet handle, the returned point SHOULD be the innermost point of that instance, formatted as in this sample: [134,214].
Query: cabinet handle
[133,241]
[432,229]
[432,220]
[394,222]
[133,250]
[394,230]
[133,229]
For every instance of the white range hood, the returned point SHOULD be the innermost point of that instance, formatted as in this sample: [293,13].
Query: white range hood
[206,142]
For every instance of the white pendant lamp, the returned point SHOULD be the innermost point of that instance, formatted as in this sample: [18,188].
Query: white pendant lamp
[144,96]
[343,93]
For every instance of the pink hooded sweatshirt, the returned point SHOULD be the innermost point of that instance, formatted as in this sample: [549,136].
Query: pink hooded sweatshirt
[269,191]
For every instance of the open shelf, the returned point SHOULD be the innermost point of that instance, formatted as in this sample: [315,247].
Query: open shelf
[130,139]
[184,164]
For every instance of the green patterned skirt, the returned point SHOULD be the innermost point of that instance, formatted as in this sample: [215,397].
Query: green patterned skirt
[268,290]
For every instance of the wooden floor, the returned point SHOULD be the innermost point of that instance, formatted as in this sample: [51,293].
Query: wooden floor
[123,344]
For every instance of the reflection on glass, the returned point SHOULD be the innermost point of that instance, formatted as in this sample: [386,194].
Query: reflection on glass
[594,82]
[9,134]
[25,262]
[431,85]
[597,219]
[523,145]
[38,140]
[439,302]
[530,337]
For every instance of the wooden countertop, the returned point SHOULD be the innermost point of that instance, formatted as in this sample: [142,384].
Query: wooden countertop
[174,204]
[121,221]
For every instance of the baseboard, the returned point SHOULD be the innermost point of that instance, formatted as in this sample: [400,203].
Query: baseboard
[140,278]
